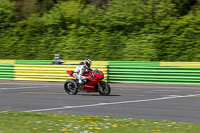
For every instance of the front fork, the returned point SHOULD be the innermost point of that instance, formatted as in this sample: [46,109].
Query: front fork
[99,87]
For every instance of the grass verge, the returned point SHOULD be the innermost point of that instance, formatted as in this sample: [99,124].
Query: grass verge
[20,122]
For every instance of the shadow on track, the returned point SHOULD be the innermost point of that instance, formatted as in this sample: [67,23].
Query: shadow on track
[96,95]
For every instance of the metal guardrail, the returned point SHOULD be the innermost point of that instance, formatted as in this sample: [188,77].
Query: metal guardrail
[116,71]
[180,64]
[7,61]
[142,74]
[47,72]
[6,72]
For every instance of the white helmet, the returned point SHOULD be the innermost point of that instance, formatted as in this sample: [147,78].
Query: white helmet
[88,63]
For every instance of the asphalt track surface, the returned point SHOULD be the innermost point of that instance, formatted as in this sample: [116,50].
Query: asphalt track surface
[141,101]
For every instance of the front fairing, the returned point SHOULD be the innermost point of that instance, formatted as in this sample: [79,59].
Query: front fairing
[70,73]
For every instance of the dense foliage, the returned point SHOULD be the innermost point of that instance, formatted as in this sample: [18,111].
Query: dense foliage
[141,30]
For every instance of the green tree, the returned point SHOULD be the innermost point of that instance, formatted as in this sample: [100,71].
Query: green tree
[182,41]
[147,30]
[183,6]
[25,8]
[6,13]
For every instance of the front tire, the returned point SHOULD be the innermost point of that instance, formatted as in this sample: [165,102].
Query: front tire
[104,88]
[71,87]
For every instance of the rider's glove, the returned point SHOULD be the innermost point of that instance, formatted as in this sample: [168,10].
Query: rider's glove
[92,76]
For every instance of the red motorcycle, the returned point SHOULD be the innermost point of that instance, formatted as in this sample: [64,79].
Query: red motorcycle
[94,84]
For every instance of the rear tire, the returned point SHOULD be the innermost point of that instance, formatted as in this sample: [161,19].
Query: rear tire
[104,88]
[71,87]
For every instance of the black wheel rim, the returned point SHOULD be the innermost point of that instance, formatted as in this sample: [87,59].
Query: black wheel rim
[71,87]
[104,89]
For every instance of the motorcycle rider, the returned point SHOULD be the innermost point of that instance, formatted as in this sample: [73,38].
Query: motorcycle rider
[82,68]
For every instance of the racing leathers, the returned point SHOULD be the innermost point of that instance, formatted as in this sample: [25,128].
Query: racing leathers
[78,73]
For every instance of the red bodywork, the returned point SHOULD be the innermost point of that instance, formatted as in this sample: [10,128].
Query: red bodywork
[92,81]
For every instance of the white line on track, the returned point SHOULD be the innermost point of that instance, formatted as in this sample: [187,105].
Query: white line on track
[167,90]
[17,88]
[114,103]
[127,89]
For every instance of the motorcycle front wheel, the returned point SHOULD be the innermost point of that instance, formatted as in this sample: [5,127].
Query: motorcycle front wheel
[104,88]
[71,87]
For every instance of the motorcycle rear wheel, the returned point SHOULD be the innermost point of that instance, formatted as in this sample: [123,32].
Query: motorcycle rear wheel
[104,88]
[71,87]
